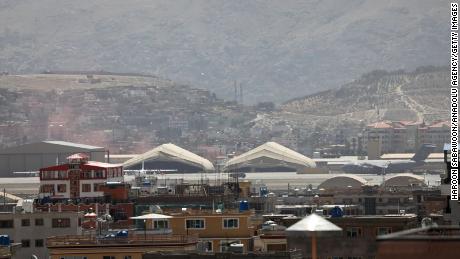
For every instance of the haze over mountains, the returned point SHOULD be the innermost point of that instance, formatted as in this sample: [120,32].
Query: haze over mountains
[277,50]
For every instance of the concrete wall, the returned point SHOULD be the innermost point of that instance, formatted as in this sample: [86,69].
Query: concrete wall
[33,232]
[415,249]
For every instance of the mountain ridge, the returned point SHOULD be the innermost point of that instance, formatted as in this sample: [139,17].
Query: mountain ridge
[275,50]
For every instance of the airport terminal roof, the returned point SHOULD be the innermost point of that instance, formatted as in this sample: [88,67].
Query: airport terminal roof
[405,179]
[270,154]
[171,152]
[343,181]
[410,155]
[50,147]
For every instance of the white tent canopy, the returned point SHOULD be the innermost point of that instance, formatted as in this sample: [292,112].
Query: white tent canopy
[152,216]
[313,223]
[270,154]
[171,152]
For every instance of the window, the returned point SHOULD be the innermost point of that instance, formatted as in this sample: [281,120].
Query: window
[353,232]
[86,187]
[25,222]
[61,223]
[47,188]
[108,257]
[207,246]
[87,175]
[62,175]
[25,243]
[38,242]
[6,223]
[231,223]
[160,224]
[127,257]
[383,231]
[99,174]
[97,187]
[39,222]
[194,223]
[61,188]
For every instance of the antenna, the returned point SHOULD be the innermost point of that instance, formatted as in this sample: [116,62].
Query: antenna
[241,93]
[236,91]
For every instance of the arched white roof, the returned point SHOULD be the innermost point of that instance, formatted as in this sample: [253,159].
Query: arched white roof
[270,154]
[343,181]
[405,179]
[171,152]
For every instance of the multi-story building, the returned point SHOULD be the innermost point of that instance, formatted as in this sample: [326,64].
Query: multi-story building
[451,210]
[358,236]
[406,136]
[425,242]
[32,228]
[78,179]
[216,231]
[437,133]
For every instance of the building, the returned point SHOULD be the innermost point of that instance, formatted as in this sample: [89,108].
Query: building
[404,136]
[358,236]
[426,242]
[31,228]
[451,210]
[32,157]
[125,246]
[216,231]
[269,255]
[437,133]
[270,156]
[169,157]
[78,178]
[345,181]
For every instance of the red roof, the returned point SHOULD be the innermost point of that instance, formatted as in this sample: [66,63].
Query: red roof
[381,125]
[88,165]
[101,164]
[440,124]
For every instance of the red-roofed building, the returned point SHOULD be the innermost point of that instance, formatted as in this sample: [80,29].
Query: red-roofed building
[437,133]
[394,136]
[407,136]
[79,178]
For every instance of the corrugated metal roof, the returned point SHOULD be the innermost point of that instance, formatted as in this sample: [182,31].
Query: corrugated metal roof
[172,152]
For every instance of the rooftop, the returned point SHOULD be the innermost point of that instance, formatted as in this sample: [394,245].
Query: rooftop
[425,233]
[131,240]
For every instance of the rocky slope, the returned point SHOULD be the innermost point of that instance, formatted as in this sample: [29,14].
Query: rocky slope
[277,50]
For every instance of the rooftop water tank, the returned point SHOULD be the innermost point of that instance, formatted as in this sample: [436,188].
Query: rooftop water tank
[244,206]
[4,240]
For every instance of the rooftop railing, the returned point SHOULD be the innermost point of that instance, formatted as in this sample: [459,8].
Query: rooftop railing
[91,240]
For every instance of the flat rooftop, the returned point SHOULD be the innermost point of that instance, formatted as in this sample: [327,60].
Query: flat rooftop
[425,233]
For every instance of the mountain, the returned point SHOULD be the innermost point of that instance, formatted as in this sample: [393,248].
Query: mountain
[276,50]
[381,95]
[125,113]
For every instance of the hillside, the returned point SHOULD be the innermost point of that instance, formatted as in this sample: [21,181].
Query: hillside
[123,113]
[419,95]
[277,50]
